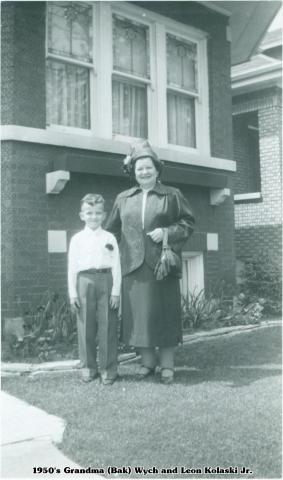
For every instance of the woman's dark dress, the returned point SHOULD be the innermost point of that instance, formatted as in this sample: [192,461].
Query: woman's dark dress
[151,309]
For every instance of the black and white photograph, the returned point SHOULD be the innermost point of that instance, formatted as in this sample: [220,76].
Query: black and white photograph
[141,206]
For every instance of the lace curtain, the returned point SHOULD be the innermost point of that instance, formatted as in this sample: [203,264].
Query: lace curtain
[67,95]
[182,74]
[129,109]
[181,120]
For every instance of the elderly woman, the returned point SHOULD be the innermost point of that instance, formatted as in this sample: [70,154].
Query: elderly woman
[151,308]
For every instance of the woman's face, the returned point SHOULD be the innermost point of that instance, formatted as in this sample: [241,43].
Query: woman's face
[145,172]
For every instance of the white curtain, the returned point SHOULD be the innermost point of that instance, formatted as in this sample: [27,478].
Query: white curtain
[67,95]
[181,120]
[129,109]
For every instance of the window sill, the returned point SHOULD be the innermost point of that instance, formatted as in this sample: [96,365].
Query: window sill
[87,132]
[88,141]
[254,197]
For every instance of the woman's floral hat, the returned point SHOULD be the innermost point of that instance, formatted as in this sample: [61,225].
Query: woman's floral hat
[140,150]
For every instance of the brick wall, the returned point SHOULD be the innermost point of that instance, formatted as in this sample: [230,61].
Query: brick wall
[265,215]
[25,268]
[7,62]
[23,65]
[220,104]
[8,237]
[256,240]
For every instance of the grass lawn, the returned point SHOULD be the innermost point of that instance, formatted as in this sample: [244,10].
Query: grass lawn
[224,409]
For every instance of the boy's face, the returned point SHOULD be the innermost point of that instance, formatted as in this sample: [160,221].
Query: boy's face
[93,216]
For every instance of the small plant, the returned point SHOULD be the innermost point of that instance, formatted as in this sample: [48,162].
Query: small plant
[204,311]
[244,312]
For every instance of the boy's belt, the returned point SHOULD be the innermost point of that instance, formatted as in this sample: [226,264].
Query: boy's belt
[96,270]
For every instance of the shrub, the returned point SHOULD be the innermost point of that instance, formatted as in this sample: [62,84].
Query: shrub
[50,331]
[262,279]
[219,308]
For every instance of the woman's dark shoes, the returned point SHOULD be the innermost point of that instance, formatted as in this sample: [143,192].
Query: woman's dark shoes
[108,381]
[167,376]
[144,372]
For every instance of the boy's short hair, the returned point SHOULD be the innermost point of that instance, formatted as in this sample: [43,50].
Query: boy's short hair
[93,199]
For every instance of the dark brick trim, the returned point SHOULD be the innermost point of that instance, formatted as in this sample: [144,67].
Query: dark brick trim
[104,164]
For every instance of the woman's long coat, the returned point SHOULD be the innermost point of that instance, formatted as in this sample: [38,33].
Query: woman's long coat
[151,309]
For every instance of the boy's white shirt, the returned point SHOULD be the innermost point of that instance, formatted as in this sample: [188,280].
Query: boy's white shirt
[88,250]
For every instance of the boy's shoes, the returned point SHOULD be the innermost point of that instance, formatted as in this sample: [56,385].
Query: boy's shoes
[144,372]
[167,376]
[88,375]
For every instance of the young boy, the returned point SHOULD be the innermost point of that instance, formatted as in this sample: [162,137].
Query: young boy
[94,282]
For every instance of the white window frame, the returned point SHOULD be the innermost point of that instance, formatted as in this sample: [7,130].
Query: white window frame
[157,91]
[201,120]
[101,71]
[194,282]
[128,14]
[72,61]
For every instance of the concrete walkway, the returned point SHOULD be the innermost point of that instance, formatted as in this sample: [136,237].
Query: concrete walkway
[28,440]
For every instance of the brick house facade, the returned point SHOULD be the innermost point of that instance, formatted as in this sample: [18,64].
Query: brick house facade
[257,131]
[36,223]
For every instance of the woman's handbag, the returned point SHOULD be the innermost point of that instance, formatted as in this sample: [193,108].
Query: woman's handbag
[169,262]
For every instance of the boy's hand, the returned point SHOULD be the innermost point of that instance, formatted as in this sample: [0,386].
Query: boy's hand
[114,302]
[75,304]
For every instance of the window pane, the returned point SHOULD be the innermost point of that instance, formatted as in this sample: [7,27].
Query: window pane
[130,47]
[70,30]
[67,95]
[181,63]
[181,120]
[129,109]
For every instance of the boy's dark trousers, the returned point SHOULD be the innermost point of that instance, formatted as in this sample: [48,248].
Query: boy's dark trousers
[97,324]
